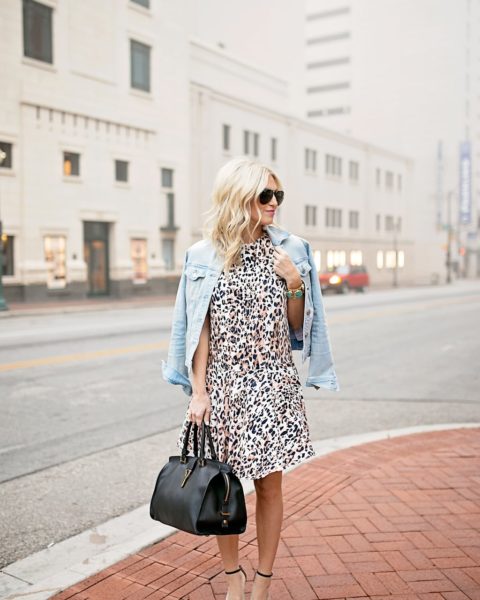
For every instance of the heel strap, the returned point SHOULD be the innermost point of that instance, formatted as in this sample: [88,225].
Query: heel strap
[240,568]
[263,574]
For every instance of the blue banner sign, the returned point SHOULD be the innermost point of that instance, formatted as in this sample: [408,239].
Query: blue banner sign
[465,196]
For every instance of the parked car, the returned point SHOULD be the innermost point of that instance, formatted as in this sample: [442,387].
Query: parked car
[345,278]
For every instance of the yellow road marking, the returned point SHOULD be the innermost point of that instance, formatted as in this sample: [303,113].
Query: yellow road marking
[80,356]
[332,320]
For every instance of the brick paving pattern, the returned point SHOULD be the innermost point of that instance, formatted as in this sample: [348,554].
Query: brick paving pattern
[397,519]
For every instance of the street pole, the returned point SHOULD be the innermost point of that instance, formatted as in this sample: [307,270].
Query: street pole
[395,249]
[448,262]
[3,304]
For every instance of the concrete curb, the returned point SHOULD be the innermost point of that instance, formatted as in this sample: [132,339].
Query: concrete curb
[47,572]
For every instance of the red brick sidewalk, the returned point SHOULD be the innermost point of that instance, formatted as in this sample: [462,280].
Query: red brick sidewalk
[397,519]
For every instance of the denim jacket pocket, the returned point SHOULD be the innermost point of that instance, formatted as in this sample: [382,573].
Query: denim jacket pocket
[194,278]
[303,266]
[194,272]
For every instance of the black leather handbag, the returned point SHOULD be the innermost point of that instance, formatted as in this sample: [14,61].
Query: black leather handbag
[197,494]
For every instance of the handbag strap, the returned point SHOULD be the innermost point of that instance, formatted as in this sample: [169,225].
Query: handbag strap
[206,433]
[186,438]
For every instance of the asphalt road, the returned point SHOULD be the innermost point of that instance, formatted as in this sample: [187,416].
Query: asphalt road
[87,421]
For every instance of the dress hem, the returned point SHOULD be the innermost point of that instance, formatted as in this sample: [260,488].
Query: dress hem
[274,468]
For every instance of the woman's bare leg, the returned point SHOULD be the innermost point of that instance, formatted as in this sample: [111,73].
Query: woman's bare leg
[228,546]
[269,517]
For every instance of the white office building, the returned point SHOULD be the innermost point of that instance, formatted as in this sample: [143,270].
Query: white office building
[114,123]
[405,75]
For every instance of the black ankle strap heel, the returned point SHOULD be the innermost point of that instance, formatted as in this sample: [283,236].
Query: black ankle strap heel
[240,568]
[263,574]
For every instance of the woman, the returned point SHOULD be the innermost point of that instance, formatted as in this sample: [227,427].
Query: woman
[248,295]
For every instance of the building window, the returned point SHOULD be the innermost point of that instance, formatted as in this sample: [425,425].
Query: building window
[310,215]
[353,219]
[377,222]
[310,160]
[251,142]
[55,257]
[256,142]
[333,217]
[226,137]
[7,254]
[6,149]
[390,259]
[400,259]
[389,226]
[246,141]
[139,66]
[356,257]
[168,254]
[399,182]
[388,180]
[167,178]
[144,3]
[317,259]
[37,31]
[121,170]
[138,249]
[378,177]
[71,164]
[167,183]
[336,258]
[379,259]
[274,148]
[170,210]
[353,169]
[333,165]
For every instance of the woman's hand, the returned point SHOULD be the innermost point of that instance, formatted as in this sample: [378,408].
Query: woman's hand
[199,408]
[283,265]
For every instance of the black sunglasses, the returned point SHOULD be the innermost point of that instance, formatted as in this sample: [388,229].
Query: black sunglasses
[268,194]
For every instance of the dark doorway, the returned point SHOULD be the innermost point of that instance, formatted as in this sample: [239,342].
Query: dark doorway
[95,237]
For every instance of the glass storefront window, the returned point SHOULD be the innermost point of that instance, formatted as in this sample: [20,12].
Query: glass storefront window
[390,259]
[168,254]
[336,258]
[356,257]
[380,259]
[55,257]
[138,249]
[317,257]
[7,254]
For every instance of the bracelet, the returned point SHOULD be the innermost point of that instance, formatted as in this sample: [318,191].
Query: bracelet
[296,292]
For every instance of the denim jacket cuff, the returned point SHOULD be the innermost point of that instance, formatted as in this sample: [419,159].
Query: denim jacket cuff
[176,378]
[328,381]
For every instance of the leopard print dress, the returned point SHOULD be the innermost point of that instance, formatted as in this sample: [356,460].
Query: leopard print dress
[258,419]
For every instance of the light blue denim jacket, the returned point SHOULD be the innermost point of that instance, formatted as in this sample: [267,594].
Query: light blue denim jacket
[201,270]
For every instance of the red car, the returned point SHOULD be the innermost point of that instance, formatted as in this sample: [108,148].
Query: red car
[345,278]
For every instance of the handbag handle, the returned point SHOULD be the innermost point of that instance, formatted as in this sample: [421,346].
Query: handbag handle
[186,437]
[206,433]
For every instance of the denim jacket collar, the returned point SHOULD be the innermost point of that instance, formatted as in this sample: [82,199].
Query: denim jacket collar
[276,233]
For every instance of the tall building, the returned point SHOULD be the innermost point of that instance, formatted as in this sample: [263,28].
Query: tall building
[93,120]
[405,75]
[115,117]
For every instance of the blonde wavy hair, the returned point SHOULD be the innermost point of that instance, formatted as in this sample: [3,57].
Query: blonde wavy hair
[236,185]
